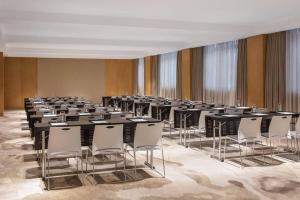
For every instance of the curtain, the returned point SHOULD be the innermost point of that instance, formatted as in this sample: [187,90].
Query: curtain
[241,85]
[178,76]
[220,73]
[275,70]
[140,76]
[167,75]
[197,74]
[135,80]
[292,96]
[155,76]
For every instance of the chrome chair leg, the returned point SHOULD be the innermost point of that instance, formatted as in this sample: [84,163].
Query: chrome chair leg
[48,174]
[241,160]
[134,163]
[163,160]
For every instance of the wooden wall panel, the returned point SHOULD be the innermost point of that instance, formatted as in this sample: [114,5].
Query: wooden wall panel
[1,84]
[20,81]
[119,77]
[147,71]
[186,73]
[256,51]
[71,77]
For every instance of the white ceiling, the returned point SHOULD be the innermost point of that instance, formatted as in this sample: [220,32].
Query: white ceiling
[134,28]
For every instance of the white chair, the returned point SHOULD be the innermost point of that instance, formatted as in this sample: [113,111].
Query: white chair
[170,121]
[147,138]
[278,129]
[295,135]
[107,140]
[150,109]
[73,111]
[64,142]
[249,131]
[201,129]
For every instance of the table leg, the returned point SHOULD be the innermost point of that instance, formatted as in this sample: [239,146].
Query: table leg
[184,125]
[180,129]
[220,141]
[43,154]
[214,137]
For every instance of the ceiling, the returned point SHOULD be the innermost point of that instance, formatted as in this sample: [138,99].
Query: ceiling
[134,28]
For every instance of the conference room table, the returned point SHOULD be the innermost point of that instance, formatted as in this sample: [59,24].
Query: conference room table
[33,119]
[222,125]
[87,128]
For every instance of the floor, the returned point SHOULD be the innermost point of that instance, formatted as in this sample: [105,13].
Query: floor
[190,174]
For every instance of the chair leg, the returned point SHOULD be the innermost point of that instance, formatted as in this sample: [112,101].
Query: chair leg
[77,165]
[163,160]
[200,144]
[241,155]
[225,144]
[124,165]
[81,165]
[86,161]
[48,175]
[134,163]
[272,152]
[93,165]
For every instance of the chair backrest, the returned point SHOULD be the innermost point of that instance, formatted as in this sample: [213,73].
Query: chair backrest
[201,123]
[64,140]
[73,111]
[297,126]
[279,126]
[234,111]
[108,138]
[171,115]
[249,128]
[147,135]
[99,109]
[150,109]
[48,119]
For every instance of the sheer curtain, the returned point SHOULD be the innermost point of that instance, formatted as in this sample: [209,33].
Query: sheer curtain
[140,77]
[167,75]
[220,73]
[293,70]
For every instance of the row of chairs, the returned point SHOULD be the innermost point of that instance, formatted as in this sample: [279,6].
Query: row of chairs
[65,142]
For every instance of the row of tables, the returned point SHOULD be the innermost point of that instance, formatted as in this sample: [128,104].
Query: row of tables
[186,115]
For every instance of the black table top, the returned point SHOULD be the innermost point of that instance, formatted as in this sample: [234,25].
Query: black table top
[105,122]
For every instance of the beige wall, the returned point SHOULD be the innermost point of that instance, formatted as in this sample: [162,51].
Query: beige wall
[20,81]
[256,54]
[1,84]
[119,77]
[71,77]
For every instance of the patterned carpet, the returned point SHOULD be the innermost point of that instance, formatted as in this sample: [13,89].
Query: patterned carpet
[190,173]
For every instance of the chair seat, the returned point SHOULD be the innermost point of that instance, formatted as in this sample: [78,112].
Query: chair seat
[142,148]
[64,155]
[235,138]
[105,151]
[293,135]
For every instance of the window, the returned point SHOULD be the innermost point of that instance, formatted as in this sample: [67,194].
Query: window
[220,73]
[167,75]
[293,70]
[140,77]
